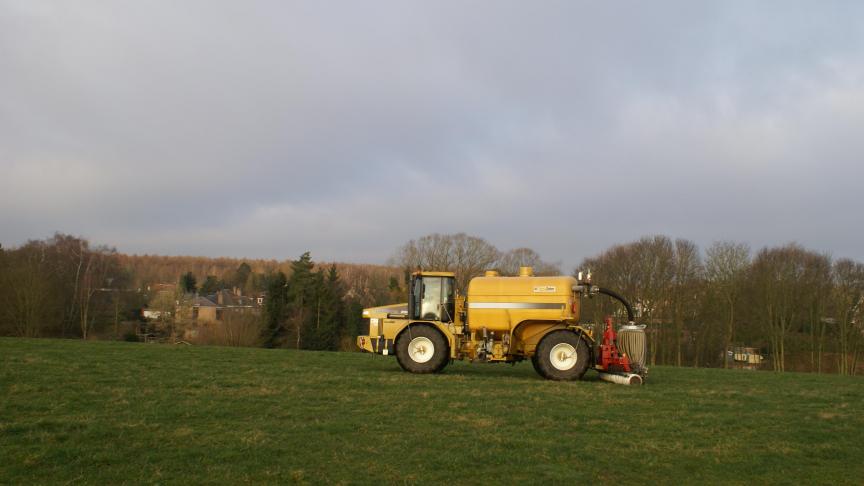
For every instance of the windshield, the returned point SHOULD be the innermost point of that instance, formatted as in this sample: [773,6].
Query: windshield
[429,308]
[433,298]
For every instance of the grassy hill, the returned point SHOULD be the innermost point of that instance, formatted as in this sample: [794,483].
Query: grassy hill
[99,412]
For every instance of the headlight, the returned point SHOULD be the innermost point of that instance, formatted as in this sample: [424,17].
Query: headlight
[373,321]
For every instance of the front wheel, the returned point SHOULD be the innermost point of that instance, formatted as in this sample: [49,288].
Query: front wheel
[421,349]
[536,364]
[561,355]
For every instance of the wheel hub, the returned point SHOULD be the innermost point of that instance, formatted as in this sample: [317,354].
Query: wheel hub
[421,349]
[563,356]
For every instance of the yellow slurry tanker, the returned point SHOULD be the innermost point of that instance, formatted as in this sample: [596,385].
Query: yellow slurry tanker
[504,320]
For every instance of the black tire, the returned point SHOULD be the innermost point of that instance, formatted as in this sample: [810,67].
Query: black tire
[422,349]
[553,358]
[535,364]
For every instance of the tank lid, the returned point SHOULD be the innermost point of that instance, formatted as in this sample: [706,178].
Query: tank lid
[492,273]
[526,272]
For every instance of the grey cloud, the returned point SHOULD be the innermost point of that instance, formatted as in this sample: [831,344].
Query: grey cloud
[264,129]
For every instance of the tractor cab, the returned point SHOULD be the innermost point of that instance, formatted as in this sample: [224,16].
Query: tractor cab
[433,296]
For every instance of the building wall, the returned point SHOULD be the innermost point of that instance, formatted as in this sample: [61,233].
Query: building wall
[207,314]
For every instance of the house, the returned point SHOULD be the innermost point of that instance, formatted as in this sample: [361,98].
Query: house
[212,308]
[204,310]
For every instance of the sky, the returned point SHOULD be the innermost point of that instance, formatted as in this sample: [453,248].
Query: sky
[263,129]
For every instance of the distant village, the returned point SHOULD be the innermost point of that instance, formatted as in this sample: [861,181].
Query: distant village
[205,308]
[195,310]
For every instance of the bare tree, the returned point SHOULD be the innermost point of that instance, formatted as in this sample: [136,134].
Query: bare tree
[725,268]
[239,329]
[467,256]
[815,296]
[27,300]
[848,300]
[430,252]
[165,305]
[643,270]
[509,263]
[68,254]
[654,260]
[687,275]
[73,279]
[97,265]
[778,275]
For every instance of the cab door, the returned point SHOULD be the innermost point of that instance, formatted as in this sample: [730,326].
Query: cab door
[433,299]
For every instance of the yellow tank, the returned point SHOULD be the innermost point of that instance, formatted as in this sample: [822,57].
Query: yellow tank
[502,303]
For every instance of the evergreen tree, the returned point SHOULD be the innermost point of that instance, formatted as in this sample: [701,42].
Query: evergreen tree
[301,295]
[274,309]
[188,284]
[253,284]
[314,330]
[241,275]
[353,318]
[324,329]
[211,285]
[337,291]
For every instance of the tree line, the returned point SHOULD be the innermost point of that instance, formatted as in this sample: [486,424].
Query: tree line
[803,308]
[64,286]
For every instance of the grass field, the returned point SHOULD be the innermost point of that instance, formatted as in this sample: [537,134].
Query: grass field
[99,412]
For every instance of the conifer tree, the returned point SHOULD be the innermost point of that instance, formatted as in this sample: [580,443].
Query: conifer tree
[188,284]
[337,290]
[323,331]
[211,285]
[274,309]
[241,275]
[300,296]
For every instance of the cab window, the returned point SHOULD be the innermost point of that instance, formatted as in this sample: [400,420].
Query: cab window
[433,299]
[430,307]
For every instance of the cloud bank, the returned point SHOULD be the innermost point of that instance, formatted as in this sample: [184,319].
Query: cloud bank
[264,129]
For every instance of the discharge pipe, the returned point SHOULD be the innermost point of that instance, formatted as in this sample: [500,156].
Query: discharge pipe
[618,297]
[593,289]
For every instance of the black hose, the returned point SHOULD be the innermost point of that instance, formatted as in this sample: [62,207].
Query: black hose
[617,296]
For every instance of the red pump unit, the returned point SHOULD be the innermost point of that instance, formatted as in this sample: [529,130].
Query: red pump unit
[622,354]
[611,359]
[613,364]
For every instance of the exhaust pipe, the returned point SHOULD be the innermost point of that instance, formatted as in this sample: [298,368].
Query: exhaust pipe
[622,379]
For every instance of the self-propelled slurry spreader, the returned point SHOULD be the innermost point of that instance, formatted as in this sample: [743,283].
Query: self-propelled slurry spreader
[504,320]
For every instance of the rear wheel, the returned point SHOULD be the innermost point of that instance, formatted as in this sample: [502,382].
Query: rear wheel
[561,355]
[421,349]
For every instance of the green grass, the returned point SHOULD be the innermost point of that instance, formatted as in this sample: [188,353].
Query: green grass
[99,412]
